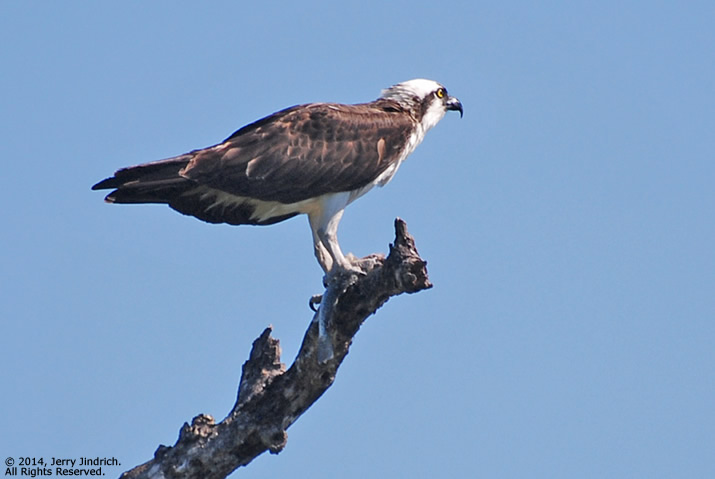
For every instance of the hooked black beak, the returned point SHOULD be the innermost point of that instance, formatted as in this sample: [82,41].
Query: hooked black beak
[454,104]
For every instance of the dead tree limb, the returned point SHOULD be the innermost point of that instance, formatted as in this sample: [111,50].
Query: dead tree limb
[271,398]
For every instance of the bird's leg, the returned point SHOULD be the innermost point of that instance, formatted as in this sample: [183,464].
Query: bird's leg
[335,283]
[339,271]
[321,253]
[329,239]
[324,259]
[324,226]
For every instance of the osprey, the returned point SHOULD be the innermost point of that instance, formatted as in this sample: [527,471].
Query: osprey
[314,159]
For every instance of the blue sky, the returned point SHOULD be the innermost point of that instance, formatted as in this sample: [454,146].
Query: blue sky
[567,221]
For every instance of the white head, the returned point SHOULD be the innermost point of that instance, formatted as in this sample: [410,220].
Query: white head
[427,100]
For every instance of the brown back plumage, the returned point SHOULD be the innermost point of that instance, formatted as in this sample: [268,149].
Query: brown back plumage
[295,154]
[304,152]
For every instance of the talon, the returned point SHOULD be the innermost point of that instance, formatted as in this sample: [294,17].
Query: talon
[339,275]
[315,299]
[347,270]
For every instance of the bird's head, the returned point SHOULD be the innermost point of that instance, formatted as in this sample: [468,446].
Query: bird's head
[426,99]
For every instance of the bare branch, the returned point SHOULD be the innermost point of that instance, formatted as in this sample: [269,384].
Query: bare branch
[271,398]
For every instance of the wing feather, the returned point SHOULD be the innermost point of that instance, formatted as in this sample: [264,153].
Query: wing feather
[305,151]
[291,156]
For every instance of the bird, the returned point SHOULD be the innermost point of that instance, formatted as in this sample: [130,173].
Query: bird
[313,159]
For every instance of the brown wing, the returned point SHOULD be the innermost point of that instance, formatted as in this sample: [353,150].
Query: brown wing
[305,151]
[295,154]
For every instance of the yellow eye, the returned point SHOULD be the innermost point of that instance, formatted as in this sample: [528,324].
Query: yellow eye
[441,93]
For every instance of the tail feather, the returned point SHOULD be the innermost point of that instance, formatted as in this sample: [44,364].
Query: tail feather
[155,182]
[160,182]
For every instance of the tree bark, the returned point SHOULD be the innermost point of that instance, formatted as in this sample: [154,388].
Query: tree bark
[271,397]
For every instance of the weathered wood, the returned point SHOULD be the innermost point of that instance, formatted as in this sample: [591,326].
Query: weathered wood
[271,397]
